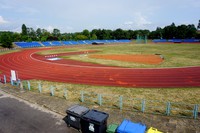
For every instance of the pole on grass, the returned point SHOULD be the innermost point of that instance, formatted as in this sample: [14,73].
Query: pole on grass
[11,81]
[82,96]
[120,102]
[143,106]
[195,111]
[100,99]
[52,90]
[65,93]
[168,108]
[29,85]
[4,76]
[39,87]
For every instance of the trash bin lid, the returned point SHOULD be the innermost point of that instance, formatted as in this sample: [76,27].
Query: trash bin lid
[96,116]
[77,110]
[112,128]
[130,127]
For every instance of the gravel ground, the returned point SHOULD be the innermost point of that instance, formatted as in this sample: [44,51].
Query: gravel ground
[59,106]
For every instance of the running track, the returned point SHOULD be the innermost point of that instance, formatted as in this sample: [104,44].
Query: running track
[32,66]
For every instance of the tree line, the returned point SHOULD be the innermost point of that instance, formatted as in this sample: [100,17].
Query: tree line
[28,34]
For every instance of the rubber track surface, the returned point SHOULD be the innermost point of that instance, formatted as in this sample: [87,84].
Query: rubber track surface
[32,66]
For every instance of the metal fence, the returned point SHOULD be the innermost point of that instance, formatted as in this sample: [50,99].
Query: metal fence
[168,108]
[7,49]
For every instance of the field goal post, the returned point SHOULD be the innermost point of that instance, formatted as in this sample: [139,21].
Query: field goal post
[141,39]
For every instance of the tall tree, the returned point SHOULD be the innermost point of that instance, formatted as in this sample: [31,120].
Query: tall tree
[119,34]
[86,33]
[16,37]
[169,32]
[181,31]
[191,31]
[56,33]
[6,39]
[93,37]
[38,33]
[31,34]
[24,30]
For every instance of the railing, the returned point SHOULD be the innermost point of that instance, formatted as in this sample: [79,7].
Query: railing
[168,108]
[7,49]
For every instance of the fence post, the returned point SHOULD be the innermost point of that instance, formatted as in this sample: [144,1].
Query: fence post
[100,99]
[4,76]
[121,102]
[18,82]
[168,108]
[143,106]
[11,81]
[52,90]
[29,85]
[65,93]
[195,111]
[82,96]
[39,87]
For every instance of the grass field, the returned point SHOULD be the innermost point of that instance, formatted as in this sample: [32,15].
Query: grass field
[183,95]
[175,55]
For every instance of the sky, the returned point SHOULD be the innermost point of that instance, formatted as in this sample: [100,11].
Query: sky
[76,15]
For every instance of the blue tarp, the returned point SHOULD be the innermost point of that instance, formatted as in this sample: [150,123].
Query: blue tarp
[129,127]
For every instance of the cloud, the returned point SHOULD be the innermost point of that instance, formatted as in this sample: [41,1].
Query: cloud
[49,28]
[2,20]
[137,21]
[141,20]
[16,29]
[128,23]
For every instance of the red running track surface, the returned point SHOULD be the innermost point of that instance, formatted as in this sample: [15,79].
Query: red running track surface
[32,66]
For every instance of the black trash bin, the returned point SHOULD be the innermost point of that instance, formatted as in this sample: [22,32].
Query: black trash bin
[74,115]
[94,122]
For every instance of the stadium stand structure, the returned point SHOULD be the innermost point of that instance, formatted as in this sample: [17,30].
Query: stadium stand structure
[176,41]
[61,43]
[46,44]
[56,43]
[28,44]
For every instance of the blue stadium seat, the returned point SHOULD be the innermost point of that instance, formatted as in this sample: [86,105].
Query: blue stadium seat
[159,40]
[56,43]
[66,42]
[28,44]
[46,44]
[191,40]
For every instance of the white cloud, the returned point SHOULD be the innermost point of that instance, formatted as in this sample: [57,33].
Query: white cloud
[49,28]
[138,21]
[141,20]
[2,20]
[17,29]
[128,23]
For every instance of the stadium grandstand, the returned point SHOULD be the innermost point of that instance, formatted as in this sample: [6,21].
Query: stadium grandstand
[28,44]
[176,41]
[63,43]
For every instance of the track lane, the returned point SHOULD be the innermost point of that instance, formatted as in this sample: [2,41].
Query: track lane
[32,66]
